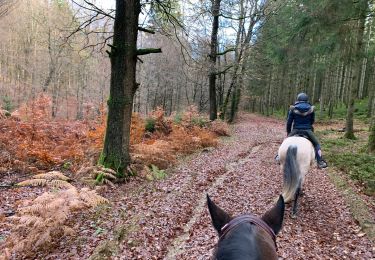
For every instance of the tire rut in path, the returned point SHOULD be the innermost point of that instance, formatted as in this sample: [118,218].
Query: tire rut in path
[178,243]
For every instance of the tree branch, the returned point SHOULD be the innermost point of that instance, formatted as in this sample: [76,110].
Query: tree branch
[226,51]
[145,30]
[223,71]
[147,51]
[94,8]
[241,17]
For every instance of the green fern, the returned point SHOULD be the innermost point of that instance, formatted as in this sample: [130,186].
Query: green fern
[157,173]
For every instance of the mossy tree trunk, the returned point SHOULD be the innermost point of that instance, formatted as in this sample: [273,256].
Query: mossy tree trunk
[123,58]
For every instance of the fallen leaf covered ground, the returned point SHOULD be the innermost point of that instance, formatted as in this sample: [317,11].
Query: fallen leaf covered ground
[168,219]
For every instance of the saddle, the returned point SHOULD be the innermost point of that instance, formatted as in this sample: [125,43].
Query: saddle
[301,133]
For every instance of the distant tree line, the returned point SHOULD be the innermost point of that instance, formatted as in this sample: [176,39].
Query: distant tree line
[325,48]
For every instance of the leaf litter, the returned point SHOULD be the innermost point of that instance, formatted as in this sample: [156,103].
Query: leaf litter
[156,217]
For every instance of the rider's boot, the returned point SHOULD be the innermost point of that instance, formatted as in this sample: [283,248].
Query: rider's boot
[319,158]
[322,163]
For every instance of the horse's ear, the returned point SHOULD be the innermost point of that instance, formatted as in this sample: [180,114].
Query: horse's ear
[274,217]
[218,216]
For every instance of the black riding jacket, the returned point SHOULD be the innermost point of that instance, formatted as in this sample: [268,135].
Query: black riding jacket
[301,115]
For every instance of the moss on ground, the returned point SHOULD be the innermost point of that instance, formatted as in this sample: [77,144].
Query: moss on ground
[358,207]
[350,157]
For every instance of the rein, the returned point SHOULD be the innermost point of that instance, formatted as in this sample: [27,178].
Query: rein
[249,219]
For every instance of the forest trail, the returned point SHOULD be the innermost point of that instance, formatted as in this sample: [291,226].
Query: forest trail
[324,228]
[242,176]
[168,219]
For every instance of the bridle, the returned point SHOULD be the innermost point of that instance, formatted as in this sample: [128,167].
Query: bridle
[249,219]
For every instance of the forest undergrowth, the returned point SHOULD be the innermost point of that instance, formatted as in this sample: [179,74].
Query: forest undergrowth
[48,167]
[32,142]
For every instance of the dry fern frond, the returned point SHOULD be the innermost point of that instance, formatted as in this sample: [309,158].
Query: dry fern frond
[54,204]
[6,255]
[76,205]
[86,170]
[33,182]
[44,198]
[106,181]
[33,209]
[72,193]
[4,114]
[61,184]
[220,128]
[92,198]
[53,175]
[95,170]
[105,174]
[108,170]
[44,238]
[56,183]
[43,220]
[28,220]
[68,231]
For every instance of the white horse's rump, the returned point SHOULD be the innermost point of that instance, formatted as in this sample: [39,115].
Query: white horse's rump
[296,156]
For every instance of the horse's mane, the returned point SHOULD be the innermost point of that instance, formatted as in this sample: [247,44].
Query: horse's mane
[241,245]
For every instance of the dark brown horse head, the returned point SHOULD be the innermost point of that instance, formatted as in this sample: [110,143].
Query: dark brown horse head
[246,236]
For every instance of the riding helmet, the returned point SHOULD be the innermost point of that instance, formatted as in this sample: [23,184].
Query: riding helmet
[302,97]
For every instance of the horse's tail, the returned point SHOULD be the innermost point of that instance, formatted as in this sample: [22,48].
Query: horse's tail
[291,174]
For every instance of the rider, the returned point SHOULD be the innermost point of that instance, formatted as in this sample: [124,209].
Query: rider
[302,116]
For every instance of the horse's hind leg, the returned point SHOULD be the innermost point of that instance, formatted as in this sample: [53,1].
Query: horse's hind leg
[295,204]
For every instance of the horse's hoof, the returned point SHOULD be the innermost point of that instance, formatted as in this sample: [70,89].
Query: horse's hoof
[293,215]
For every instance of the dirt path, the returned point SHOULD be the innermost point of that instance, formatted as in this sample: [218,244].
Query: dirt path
[324,228]
[168,219]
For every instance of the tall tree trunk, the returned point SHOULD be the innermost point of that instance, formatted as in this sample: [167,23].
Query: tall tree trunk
[342,81]
[81,82]
[123,57]
[67,88]
[229,91]
[177,104]
[269,91]
[364,70]
[213,54]
[236,95]
[147,99]
[371,139]
[371,94]
[55,93]
[349,132]
[242,45]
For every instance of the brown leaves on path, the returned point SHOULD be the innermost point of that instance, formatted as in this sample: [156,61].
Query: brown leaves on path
[154,215]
